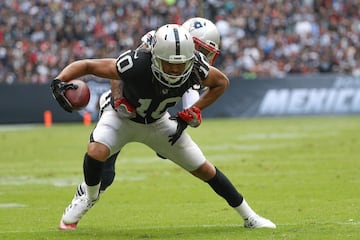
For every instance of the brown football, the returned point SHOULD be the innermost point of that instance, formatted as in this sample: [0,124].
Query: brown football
[79,97]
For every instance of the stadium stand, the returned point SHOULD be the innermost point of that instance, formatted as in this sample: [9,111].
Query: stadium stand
[259,38]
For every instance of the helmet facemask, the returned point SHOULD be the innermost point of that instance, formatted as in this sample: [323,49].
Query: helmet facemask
[209,49]
[169,79]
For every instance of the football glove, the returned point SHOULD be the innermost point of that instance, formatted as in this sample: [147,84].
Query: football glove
[181,126]
[192,116]
[160,156]
[58,89]
[123,107]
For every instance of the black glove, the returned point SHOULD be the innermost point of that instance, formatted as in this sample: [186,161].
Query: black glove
[58,89]
[181,126]
[160,156]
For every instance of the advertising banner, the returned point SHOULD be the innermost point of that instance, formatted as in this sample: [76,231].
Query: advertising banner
[264,97]
[291,96]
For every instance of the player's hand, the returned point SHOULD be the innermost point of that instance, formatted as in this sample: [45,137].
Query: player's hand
[123,107]
[192,116]
[58,89]
[181,126]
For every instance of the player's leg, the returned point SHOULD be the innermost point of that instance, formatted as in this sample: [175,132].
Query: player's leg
[188,99]
[224,188]
[108,173]
[107,177]
[188,155]
[92,168]
[103,140]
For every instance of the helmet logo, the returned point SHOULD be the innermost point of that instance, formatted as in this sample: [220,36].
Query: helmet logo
[197,25]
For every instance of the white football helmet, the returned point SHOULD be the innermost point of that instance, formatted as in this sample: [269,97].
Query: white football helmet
[206,36]
[172,43]
[147,39]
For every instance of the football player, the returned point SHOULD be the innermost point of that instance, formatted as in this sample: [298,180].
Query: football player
[206,39]
[153,80]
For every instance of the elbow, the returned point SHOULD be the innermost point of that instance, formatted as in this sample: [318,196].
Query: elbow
[227,82]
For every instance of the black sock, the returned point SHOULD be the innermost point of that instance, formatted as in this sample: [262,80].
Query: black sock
[92,170]
[108,172]
[222,186]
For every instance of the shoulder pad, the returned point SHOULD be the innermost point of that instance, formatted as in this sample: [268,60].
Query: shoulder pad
[201,66]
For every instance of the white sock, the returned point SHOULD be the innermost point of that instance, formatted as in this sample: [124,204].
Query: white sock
[244,210]
[92,192]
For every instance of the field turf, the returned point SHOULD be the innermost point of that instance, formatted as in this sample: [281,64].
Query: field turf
[302,173]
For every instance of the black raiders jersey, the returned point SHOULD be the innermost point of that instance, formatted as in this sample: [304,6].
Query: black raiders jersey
[148,96]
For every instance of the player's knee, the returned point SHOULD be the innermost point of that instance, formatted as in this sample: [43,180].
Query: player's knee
[98,151]
[205,172]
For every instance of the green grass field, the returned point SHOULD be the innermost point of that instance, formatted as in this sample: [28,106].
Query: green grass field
[302,173]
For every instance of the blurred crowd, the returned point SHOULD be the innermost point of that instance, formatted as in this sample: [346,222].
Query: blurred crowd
[269,38]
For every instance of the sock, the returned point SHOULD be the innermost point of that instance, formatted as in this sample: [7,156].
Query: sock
[244,210]
[223,187]
[82,190]
[108,173]
[92,192]
[92,174]
[92,170]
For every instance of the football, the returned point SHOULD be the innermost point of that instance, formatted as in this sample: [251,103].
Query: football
[80,96]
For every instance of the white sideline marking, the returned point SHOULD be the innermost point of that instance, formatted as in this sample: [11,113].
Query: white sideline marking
[271,136]
[11,205]
[285,135]
[17,127]
[150,159]
[57,182]
[243,147]
[26,180]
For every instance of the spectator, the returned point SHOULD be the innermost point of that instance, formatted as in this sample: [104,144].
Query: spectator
[285,37]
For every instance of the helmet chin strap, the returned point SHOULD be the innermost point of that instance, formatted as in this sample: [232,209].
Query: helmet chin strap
[161,77]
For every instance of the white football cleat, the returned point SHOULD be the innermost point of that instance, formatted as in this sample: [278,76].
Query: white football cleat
[257,221]
[80,190]
[76,210]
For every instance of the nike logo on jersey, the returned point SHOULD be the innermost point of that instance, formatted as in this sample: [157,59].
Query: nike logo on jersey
[136,54]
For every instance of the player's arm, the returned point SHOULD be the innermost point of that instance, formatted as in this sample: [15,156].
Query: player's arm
[116,89]
[216,83]
[119,102]
[103,68]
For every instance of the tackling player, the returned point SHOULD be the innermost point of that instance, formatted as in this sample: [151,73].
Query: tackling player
[153,81]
